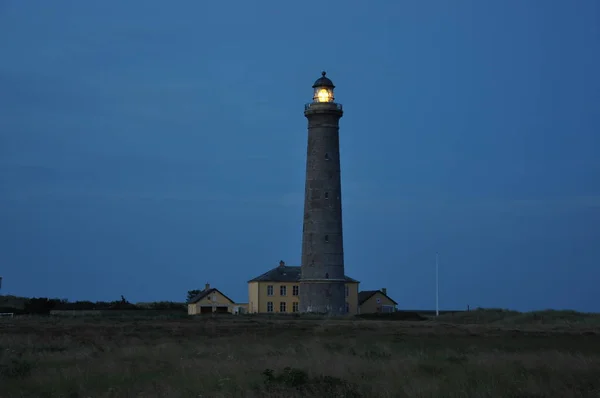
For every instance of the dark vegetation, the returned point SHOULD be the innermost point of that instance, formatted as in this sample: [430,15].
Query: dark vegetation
[481,353]
[395,316]
[43,305]
[192,293]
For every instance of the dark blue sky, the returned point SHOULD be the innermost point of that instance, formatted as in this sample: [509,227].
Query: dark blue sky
[147,148]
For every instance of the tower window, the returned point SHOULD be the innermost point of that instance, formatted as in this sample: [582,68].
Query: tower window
[326,238]
[326,195]
[326,156]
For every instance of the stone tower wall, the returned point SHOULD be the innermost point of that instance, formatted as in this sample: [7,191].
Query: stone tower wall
[322,285]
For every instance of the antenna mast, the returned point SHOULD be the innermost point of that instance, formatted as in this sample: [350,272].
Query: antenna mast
[437,287]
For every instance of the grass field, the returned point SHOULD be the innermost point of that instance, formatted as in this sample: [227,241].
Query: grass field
[476,354]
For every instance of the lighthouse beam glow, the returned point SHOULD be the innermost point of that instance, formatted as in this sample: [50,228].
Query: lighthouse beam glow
[324,95]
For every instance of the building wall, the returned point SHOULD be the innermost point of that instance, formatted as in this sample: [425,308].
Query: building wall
[371,305]
[259,299]
[253,297]
[240,308]
[219,301]
[352,298]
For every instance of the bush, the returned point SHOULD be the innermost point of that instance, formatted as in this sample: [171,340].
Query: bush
[15,369]
[41,305]
[394,316]
[326,386]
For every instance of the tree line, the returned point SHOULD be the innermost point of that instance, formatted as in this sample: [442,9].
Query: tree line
[43,305]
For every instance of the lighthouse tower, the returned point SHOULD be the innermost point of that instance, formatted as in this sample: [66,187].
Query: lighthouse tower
[322,281]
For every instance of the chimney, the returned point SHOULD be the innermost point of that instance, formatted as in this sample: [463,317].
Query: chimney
[282,263]
[207,286]
[384,290]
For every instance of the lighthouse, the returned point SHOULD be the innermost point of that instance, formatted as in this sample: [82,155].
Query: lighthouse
[322,280]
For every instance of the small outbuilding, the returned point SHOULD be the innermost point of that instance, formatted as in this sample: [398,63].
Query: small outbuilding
[375,301]
[211,300]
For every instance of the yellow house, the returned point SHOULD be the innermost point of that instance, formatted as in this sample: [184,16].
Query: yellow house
[371,301]
[277,291]
[211,300]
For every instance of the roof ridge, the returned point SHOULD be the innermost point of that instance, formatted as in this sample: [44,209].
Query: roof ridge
[287,274]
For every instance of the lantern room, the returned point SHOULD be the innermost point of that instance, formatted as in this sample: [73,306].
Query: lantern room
[323,89]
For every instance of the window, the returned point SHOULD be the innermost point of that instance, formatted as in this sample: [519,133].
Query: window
[327,275]
[295,306]
[269,306]
[326,156]
[347,308]
[326,238]
[270,290]
[282,290]
[282,306]
[294,290]
[326,195]
[347,291]
[378,300]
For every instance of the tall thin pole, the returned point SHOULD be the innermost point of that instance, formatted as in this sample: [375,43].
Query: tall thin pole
[437,287]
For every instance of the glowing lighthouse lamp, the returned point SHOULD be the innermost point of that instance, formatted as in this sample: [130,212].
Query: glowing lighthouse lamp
[323,89]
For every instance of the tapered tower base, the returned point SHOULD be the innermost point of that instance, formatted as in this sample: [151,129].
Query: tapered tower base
[323,297]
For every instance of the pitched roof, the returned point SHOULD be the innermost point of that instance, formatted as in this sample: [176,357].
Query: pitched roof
[286,273]
[367,294]
[205,293]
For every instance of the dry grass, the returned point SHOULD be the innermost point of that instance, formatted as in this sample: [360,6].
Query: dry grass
[255,357]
